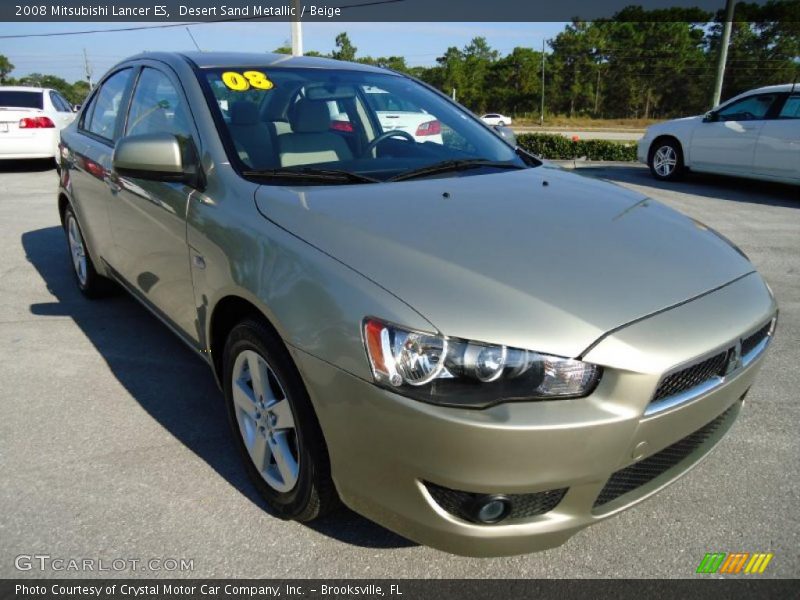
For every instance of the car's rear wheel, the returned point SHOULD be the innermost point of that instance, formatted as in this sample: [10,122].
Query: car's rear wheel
[274,424]
[666,160]
[89,282]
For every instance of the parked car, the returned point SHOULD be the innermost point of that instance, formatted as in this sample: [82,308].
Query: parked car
[31,120]
[755,134]
[477,351]
[496,119]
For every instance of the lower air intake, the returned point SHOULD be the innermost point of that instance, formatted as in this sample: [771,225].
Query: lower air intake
[632,477]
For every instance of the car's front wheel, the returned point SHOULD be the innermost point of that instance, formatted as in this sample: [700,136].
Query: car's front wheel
[666,160]
[274,424]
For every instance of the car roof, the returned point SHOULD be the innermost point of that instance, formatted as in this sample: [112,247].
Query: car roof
[784,87]
[23,88]
[207,60]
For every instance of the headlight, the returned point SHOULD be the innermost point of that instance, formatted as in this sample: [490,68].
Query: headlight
[456,372]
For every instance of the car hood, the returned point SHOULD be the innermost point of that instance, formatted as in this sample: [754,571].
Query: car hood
[682,123]
[537,258]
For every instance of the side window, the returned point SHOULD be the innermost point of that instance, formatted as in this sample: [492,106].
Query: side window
[59,103]
[67,103]
[101,115]
[157,107]
[751,108]
[791,108]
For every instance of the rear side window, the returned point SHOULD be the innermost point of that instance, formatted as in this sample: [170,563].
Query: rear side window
[101,115]
[157,107]
[59,103]
[20,99]
[791,108]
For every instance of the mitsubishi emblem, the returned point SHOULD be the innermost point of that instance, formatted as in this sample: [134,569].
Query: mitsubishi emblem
[735,359]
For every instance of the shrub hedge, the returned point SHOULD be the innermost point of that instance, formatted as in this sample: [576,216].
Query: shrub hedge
[559,147]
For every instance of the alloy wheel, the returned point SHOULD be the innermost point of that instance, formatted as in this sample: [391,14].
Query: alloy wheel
[664,161]
[76,250]
[266,422]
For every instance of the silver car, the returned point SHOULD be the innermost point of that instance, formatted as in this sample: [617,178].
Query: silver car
[478,351]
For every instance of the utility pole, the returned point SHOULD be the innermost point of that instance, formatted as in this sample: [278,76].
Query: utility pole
[723,51]
[541,112]
[454,94]
[194,41]
[297,31]
[88,69]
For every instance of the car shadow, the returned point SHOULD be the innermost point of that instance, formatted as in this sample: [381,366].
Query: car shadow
[33,165]
[735,189]
[136,348]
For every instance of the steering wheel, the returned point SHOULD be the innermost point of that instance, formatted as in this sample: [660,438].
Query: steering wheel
[385,136]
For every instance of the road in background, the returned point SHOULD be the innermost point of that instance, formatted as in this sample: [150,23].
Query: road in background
[115,443]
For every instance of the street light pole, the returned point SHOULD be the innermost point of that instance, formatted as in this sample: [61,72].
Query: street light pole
[297,31]
[541,112]
[723,51]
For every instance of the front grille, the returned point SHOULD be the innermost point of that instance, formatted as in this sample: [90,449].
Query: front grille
[522,505]
[751,341]
[636,475]
[692,376]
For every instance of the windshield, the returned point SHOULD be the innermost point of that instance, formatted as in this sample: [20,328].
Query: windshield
[376,125]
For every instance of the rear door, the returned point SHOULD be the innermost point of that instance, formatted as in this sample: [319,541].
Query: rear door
[778,148]
[728,144]
[148,218]
[89,150]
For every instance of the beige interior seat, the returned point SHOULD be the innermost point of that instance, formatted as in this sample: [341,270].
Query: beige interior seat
[311,140]
[251,135]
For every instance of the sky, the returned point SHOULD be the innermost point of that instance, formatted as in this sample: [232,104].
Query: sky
[419,43]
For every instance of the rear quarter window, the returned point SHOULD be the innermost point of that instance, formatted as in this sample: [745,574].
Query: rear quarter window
[21,99]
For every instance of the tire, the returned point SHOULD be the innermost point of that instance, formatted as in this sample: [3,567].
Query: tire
[89,282]
[666,160]
[276,425]
[501,124]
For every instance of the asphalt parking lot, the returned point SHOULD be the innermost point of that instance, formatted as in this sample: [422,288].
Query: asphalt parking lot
[114,443]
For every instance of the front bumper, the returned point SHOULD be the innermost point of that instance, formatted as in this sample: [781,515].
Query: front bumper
[642,148]
[383,446]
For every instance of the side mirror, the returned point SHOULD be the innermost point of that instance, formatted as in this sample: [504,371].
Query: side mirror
[76,107]
[710,117]
[158,157]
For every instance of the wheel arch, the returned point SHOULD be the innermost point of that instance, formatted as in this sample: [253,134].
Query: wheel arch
[662,138]
[228,312]
[63,202]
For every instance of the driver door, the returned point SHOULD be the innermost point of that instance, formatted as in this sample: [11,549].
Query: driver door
[728,143]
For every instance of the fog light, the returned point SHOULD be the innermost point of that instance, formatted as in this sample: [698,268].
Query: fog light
[491,509]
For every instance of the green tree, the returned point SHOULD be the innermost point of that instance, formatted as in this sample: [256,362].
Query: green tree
[344,48]
[5,68]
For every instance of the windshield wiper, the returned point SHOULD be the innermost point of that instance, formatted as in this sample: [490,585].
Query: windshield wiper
[453,165]
[312,174]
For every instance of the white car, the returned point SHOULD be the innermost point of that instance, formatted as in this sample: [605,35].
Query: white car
[755,135]
[395,113]
[496,119]
[31,120]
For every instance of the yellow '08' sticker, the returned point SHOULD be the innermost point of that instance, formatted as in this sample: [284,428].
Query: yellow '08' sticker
[241,82]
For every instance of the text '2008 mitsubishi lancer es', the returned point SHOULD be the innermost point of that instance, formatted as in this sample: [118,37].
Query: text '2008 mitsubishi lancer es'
[478,351]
